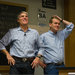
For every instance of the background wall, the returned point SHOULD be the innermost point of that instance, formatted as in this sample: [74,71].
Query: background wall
[33,6]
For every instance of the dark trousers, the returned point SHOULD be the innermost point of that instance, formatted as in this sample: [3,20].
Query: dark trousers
[51,69]
[21,68]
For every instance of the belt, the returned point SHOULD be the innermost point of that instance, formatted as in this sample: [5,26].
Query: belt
[57,64]
[30,59]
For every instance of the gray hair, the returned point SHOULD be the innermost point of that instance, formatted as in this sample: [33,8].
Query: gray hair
[21,13]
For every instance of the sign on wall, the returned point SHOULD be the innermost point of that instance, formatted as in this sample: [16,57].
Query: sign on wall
[49,4]
[41,17]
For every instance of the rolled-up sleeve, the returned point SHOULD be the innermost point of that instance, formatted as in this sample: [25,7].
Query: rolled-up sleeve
[5,40]
[68,30]
[41,46]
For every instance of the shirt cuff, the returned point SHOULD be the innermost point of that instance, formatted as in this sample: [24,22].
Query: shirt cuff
[71,25]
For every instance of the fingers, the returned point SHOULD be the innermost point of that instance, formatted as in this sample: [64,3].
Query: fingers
[42,64]
[35,63]
[57,17]
[11,61]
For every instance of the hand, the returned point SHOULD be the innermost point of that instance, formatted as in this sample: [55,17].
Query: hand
[64,21]
[35,62]
[11,61]
[42,64]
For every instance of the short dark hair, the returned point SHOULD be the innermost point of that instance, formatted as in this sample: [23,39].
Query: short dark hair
[53,17]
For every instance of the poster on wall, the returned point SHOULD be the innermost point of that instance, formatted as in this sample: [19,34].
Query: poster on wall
[41,17]
[49,4]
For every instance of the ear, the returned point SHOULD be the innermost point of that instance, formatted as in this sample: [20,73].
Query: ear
[50,24]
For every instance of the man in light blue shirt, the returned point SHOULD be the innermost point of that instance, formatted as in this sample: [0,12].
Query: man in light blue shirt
[23,43]
[53,42]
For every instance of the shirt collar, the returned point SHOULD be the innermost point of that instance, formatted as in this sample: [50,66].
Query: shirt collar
[19,29]
[52,32]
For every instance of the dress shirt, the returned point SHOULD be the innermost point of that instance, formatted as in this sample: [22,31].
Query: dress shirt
[22,44]
[54,44]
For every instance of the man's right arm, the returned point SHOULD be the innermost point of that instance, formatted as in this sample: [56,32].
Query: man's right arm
[3,43]
[11,61]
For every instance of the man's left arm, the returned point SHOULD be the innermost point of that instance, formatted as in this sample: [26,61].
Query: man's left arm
[69,26]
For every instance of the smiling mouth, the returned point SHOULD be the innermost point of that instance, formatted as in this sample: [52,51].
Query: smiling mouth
[24,20]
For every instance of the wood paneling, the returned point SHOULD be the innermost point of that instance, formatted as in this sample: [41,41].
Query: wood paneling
[69,14]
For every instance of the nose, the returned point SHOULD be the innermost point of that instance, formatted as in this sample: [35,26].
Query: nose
[24,16]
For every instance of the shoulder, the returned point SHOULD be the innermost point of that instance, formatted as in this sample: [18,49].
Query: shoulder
[33,30]
[14,29]
[44,34]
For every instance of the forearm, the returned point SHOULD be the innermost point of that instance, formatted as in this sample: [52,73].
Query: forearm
[5,52]
[66,22]
[11,61]
[62,20]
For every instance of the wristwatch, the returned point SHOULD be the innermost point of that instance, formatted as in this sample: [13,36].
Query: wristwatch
[61,20]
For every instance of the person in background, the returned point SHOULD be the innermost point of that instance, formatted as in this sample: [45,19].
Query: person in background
[23,42]
[53,42]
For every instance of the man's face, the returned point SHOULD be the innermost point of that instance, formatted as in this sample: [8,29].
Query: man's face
[23,19]
[55,25]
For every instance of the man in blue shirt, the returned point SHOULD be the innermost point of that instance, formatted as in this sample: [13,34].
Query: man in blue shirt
[53,42]
[23,42]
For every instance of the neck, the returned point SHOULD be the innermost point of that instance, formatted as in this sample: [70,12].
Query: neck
[24,27]
[53,31]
